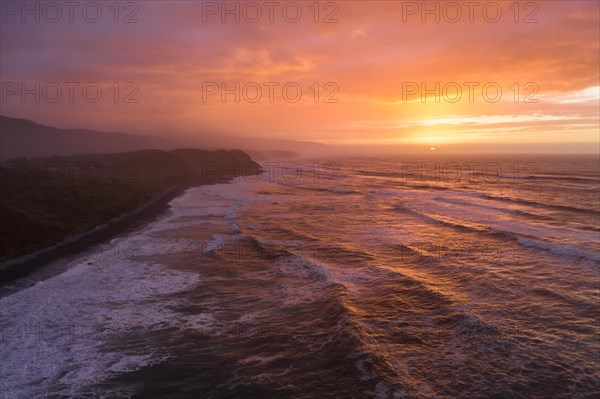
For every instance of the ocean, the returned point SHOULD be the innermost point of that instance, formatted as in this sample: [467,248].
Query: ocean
[354,277]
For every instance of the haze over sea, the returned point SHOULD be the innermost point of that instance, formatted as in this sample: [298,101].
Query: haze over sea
[356,277]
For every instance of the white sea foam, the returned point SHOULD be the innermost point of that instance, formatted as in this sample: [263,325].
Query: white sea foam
[56,334]
[217,241]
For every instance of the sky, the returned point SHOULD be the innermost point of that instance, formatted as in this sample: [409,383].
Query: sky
[438,74]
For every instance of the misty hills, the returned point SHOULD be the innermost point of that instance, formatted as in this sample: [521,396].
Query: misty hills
[25,138]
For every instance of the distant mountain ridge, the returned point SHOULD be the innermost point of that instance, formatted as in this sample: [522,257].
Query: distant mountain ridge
[28,139]
[25,138]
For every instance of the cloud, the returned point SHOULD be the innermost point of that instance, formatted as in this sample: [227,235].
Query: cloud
[369,53]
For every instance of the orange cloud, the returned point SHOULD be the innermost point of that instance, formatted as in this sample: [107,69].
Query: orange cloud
[363,61]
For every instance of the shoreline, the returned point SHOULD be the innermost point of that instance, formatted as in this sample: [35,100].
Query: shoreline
[25,265]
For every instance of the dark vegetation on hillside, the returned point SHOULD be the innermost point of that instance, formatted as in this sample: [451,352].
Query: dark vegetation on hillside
[44,200]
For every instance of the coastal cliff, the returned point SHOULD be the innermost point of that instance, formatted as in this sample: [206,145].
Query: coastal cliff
[52,206]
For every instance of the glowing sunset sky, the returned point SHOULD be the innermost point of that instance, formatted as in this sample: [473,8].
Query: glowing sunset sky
[373,54]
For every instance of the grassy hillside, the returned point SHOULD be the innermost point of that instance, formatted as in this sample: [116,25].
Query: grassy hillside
[45,200]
